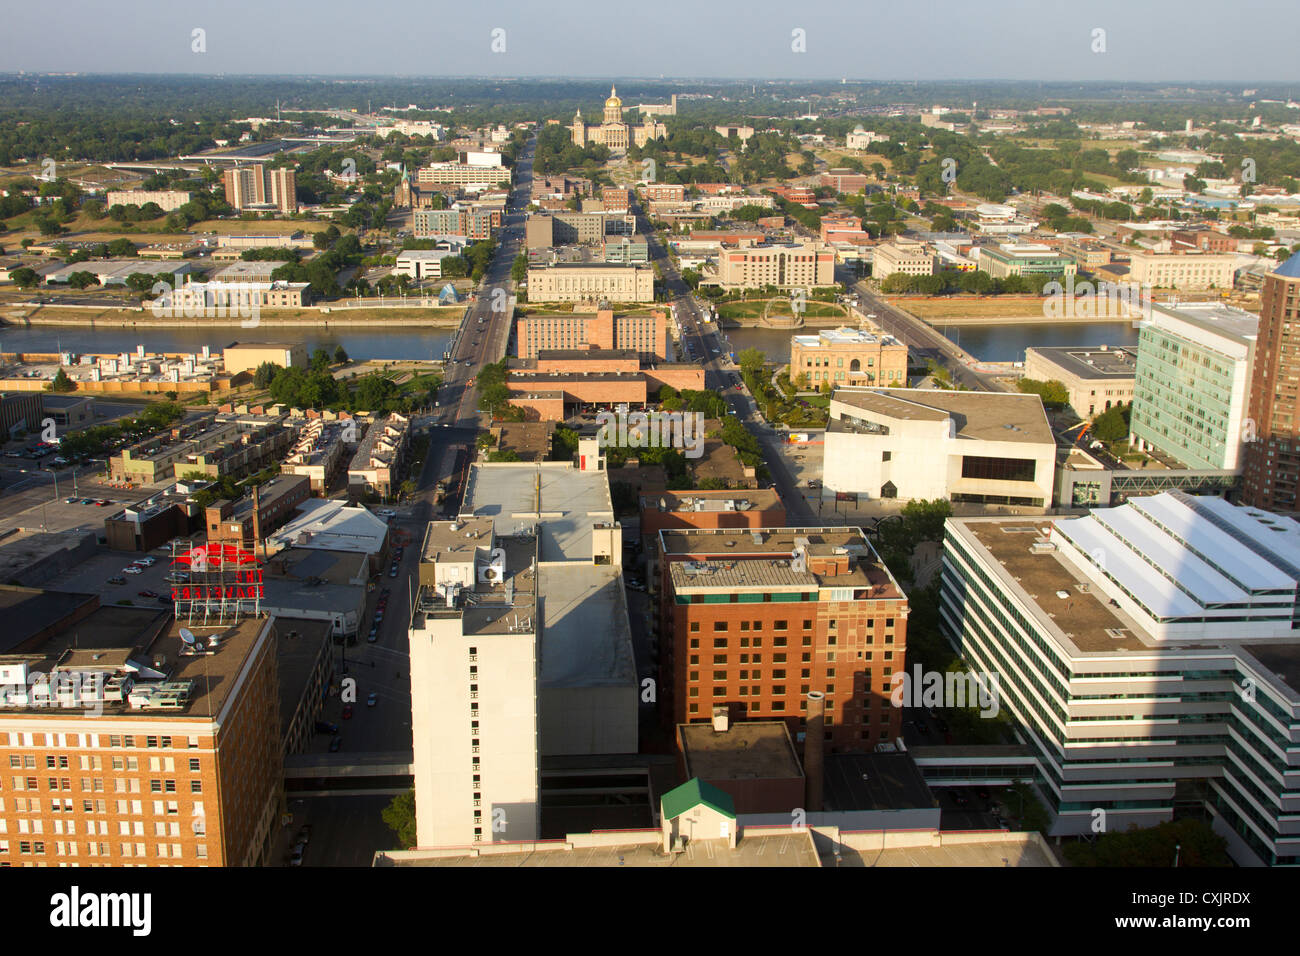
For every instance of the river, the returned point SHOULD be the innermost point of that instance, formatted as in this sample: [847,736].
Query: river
[988,343]
[360,344]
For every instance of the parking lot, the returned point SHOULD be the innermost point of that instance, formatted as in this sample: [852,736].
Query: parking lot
[92,577]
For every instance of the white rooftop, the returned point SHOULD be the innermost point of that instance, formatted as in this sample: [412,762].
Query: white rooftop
[332,525]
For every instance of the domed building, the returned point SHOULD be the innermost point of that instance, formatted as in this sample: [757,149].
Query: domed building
[612,131]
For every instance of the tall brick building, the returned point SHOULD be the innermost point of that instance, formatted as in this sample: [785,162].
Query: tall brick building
[755,619]
[183,766]
[644,333]
[1272,462]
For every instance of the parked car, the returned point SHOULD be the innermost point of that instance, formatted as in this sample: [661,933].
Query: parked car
[295,858]
[304,835]
[325,727]
[347,711]
[148,561]
[392,572]
[335,744]
[70,501]
[386,513]
[117,579]
[147,593]
[372,699]
[373,635]
[133,569]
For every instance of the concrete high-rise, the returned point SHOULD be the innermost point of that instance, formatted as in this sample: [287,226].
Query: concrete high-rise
[259,186]
[1272,460]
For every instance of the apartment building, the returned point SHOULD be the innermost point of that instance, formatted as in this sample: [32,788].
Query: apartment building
[376,468]
[1147,656]
[462,174]
[753,620]
[1272,462]
[990,448]
[1096,379]
[139,743]
[499,678]
[225,444]
[902,255]
[786,266]
[588,282]
[848,356]
[473,222]
[1192,383]
[616,199]
[168,200]
[644,333]
[260,187]
[1183,270]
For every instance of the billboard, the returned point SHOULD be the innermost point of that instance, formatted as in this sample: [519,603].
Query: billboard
[224,580]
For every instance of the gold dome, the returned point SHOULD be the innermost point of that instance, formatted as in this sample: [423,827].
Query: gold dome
[613,102]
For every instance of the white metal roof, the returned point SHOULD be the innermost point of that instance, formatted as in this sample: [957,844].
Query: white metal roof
[1155,592]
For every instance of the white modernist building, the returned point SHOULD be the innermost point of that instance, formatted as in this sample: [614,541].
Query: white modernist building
[520,647]
[1149,655]
[977,447]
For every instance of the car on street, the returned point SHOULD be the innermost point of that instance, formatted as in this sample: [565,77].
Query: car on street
[304,835]
[70,501]
[335,744]
[325,727]
[295,858]
[372,699]
[133,569]
[147,593]
[87,501]
[347,711]
[392,572]
[386,513]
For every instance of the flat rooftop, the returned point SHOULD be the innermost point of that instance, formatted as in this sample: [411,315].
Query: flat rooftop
[746,750]
[441,542]
[1215,317]
[556,497]
[746,558]
[755,848]
[1104,362]
[874,781]
[586,638]
[986,416]
[1084,619]
[1282,659]
[755,499]
[29,611]
[845,337]
[298,647]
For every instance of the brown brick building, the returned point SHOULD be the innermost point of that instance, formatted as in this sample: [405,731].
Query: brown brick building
[563,378]
[1271,468]
[180,771]
[643,333]
[245,521]
[754,620]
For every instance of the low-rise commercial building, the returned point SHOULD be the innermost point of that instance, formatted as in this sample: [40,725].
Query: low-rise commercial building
[1020,259]
[847,356]
[1097,379]
[992,448]
[168,200]
[1183,270]
[247,522]
[784,266]
[587,282]
[248,356]
[902,255]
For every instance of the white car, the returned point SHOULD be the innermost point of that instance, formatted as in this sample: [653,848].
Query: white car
[148,562]
[386,513]
[133,569]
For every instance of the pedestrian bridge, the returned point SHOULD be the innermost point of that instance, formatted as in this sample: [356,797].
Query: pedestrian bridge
[975,765]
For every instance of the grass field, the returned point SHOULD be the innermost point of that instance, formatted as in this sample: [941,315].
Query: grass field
[966,307]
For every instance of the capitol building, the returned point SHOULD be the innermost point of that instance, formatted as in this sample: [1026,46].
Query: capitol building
[613,132]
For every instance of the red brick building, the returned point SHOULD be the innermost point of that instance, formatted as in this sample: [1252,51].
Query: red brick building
[645,333]
[754,620]
[1271,467]
[616,199]
[1206,240]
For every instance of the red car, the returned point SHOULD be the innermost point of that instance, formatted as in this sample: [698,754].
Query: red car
[347,711]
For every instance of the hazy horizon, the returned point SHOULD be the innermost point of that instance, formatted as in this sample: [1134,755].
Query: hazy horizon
[1013,41]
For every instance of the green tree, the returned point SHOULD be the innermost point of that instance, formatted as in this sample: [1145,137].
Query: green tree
[1053,393]
[82,280]
[62,383]
[1112,425]
[564,444]
[1192,841]
[508,454]
[519,270]
[320,360]
[265,374]
[399,816]
[25,278]
[340,355]
[752,360]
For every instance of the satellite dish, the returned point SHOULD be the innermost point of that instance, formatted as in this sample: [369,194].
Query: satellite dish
[188,638]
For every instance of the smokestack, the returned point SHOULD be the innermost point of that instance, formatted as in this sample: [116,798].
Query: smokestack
[257,522]
[813,745]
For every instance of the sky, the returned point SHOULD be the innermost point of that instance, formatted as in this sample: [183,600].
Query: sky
[1192,41]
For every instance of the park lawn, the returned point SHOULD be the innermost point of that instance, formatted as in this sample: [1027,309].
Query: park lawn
[959,306]
[754,308]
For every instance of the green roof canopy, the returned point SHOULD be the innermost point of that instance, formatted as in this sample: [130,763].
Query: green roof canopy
[691,794]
